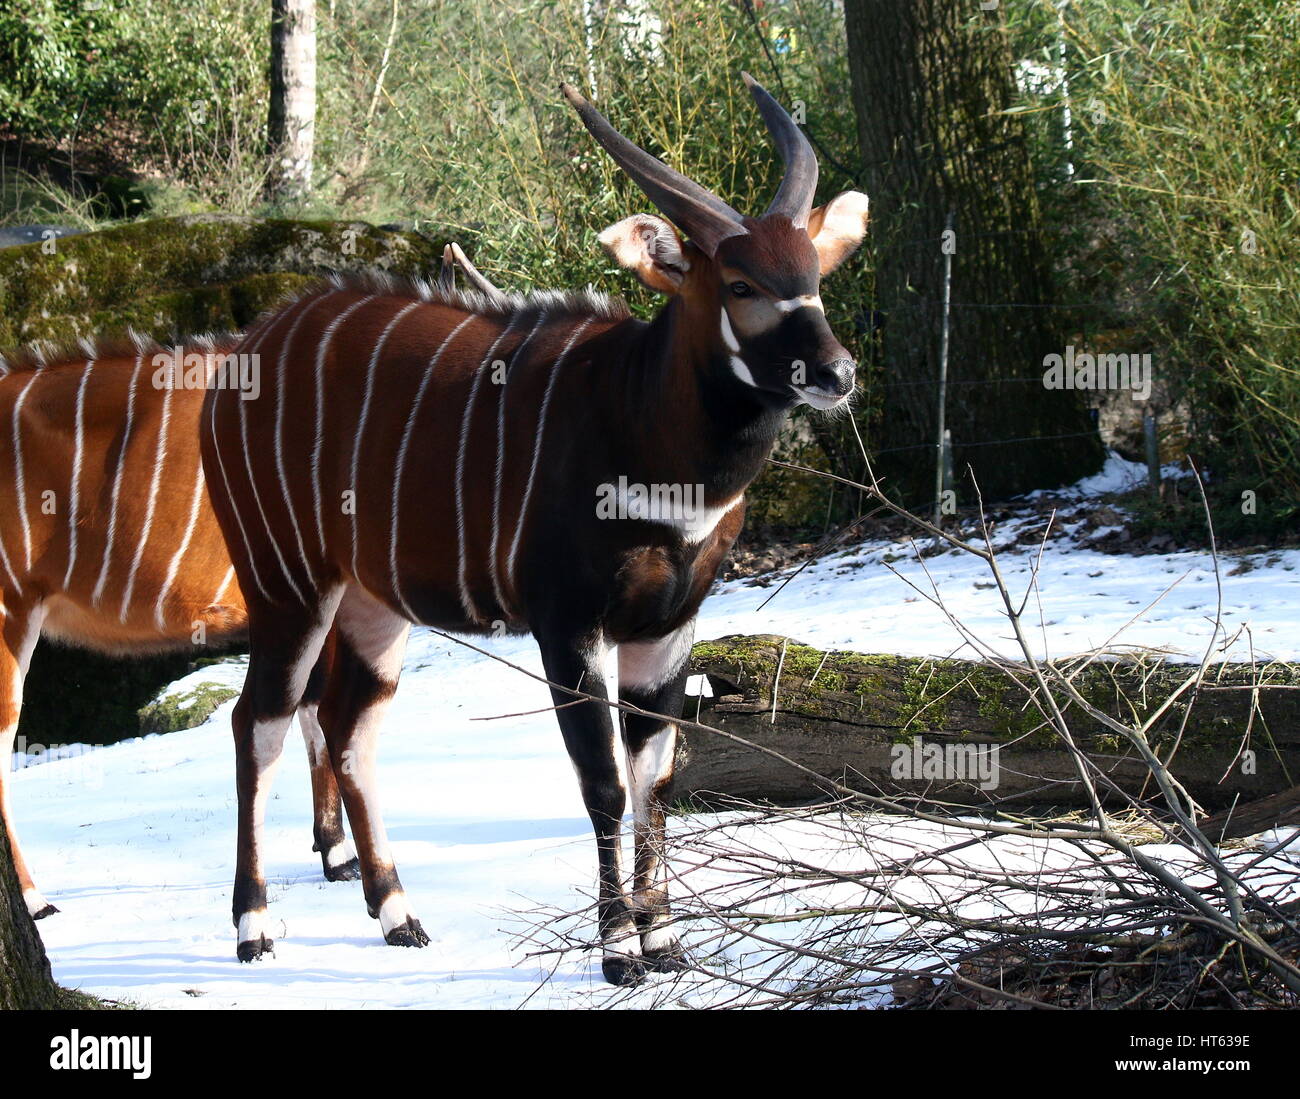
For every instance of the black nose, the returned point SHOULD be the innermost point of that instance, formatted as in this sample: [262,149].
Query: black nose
[835,376]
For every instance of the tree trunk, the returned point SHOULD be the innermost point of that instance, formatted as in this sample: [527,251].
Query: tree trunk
[929,78]
[853,718]
[25,980]
[291,122]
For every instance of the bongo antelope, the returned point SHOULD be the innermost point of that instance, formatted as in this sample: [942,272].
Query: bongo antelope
[107,540]
[420,455]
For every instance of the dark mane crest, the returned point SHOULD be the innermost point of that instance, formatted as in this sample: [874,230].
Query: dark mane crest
[49,355]
[572,303]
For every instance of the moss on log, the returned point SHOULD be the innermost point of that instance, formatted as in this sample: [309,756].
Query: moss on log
[854,716]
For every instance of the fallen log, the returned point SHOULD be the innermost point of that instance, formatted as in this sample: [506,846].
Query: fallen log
[1281,810]
[967,732]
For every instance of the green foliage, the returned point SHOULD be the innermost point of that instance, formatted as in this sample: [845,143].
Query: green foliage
[45,47]
[181,92]
[1187,138]
[476,138]
[1263,517]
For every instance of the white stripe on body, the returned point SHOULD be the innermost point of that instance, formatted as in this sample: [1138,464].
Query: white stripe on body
[537,450]
[213,399]
[160,457]
[98,593]
[225,583]
[174,565]
[501,454]
[361,427]
[78,452]
[20,486]
[279,436]
[407,431]
[466,601]
[248,457]
[319,441]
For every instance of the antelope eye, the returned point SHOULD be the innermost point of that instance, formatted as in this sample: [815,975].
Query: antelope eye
[741,289]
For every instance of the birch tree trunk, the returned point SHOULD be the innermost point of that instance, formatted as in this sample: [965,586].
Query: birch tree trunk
[291,122]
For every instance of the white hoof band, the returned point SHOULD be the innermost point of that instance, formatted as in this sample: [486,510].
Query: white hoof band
[253,926]
[394,912]
[34,901]
[659,939]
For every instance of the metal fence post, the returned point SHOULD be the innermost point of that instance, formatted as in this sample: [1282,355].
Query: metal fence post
[1153,450]
[942,433]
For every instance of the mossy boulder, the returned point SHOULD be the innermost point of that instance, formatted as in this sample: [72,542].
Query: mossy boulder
[182,275]
[186,709]
[72,696]
[852,716]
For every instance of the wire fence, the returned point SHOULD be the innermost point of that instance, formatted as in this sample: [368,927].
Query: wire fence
[941,383]
[990,442]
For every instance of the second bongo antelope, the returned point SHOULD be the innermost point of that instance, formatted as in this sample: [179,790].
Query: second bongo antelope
[107,540]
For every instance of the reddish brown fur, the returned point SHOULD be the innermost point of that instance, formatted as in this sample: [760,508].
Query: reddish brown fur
[53,593]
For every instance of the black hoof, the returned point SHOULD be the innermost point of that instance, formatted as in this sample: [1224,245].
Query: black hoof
[407,934]
[48,910]
[672,959]
[252,949]
[622,970]
[348,871]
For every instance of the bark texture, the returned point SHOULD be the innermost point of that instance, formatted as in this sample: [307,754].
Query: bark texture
[25,980]
[929,79]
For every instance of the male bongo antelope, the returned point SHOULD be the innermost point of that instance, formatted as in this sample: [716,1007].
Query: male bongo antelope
[107,539]
[425,456]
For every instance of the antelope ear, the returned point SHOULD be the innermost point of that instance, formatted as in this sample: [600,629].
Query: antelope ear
[650,248]
[838,228]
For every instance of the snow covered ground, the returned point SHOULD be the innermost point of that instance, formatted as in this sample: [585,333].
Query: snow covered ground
[135,842]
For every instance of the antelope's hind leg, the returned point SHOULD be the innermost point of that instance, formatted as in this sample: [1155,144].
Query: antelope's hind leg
[652,676]
[284,646]
[363,678]
[337,855]
[21,627]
